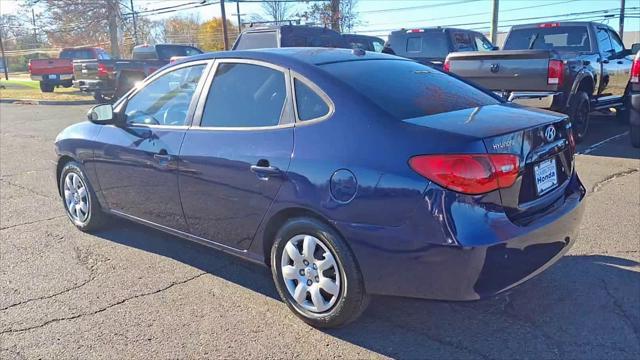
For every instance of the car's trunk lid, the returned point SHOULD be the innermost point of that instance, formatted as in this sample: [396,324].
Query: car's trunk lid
[539,138]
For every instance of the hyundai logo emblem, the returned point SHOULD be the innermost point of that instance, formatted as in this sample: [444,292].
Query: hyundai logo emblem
[495,68]
[550,133]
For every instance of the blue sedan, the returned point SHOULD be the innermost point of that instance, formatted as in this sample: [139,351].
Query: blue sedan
[348,173]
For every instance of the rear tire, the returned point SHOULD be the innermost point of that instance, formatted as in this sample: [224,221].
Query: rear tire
[46,87]
[321,269]
[79,200]
[579,109]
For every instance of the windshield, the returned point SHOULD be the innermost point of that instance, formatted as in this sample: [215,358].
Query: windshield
[406,89]
[563,38]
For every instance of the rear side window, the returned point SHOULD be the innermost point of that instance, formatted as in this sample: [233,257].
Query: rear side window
[258,40]
[568,38]
[244,95]
[462,41]
[309,104]
[77,54]
[406,89]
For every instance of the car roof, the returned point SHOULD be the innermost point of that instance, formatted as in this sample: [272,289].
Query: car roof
[432,28]
[293,56]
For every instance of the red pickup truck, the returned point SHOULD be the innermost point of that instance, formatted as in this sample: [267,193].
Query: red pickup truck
[52,73]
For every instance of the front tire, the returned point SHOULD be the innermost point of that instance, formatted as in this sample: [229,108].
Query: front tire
[316,274]
[579,110]
[79,199]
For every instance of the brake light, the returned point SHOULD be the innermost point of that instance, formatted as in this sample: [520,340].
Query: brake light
[635,71]
[104,70]
[549,25]
[555,72]
[468,173]
[415,31]
[447,65]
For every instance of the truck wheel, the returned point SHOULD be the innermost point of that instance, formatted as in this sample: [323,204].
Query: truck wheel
[579,110]
[101,98]
[45,87]
[635,136]
[67,84]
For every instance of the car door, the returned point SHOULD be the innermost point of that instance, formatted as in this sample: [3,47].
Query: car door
[620,64]
[137,162]
[234,158]
[607,61]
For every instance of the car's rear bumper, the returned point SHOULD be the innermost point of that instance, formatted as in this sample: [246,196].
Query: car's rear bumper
[542,100]
[489,253]
[53,78]
[104,86]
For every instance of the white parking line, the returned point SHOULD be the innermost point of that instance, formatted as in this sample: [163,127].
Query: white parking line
[598,144]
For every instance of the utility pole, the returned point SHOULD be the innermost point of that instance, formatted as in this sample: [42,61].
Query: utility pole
[621,28]
[112,13]
[335,15]
[494,23]
[4,58]
[239,19]
[135,28]
[33,18]
[225,33]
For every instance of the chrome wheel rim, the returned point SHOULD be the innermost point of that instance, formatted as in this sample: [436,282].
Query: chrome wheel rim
[76,197]
[310,273]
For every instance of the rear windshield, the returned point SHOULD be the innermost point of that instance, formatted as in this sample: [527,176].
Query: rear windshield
[429,44]
[563,38]
[168,51]
[312,38]
[406,89]
[77,54]
[258,40]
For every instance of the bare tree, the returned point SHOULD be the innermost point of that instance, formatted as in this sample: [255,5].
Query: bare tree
[277,10]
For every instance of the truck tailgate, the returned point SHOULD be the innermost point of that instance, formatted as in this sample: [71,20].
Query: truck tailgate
[508,70]
[50,66]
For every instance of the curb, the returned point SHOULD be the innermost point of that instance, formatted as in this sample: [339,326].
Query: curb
[47,102]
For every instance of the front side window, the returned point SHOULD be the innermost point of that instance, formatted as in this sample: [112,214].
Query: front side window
[310,105]
[245,95]
[166,100]
[616,43]
[604,43]
[378,46]
[482,44]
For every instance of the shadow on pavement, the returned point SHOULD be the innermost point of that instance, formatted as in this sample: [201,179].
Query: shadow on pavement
[605,127]
[582,307]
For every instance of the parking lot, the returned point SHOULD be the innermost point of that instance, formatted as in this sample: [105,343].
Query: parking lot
[132,292]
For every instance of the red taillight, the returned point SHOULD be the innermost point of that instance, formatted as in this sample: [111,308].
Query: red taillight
[548,25]
[555,72]
[446,66]
[415,31]
[635,71]
[29,66]
[104,70]
[468,173]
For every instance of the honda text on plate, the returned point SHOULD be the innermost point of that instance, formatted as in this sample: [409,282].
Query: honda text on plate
[349,173]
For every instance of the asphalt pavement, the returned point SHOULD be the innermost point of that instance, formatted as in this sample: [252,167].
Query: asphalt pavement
[132,292]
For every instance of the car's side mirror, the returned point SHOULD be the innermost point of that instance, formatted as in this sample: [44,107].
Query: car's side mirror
[635,48]
[102,114]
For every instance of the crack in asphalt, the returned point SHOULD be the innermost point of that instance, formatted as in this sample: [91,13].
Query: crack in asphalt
[51,321]
[32,222]
[82,260]
[600,184]
[621,311]
[3,179]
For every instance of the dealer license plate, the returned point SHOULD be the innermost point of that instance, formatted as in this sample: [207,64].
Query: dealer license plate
[546,174]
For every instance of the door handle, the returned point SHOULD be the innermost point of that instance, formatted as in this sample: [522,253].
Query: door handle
[162,157]
[264,170]
[620,62]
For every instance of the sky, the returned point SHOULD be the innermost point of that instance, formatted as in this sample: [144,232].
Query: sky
[379,17]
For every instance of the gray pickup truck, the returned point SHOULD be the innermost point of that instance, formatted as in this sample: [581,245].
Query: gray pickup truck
[570,67]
